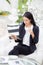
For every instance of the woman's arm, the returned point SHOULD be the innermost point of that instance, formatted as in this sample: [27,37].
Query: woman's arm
[19,39]
[36,35]
[16,38]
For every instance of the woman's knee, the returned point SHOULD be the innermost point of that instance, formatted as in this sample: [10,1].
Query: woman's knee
[15,51]
[10,53]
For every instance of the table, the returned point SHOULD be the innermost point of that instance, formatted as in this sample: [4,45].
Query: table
[19,61]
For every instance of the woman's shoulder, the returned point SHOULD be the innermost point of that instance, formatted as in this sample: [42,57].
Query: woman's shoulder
[22,25]
[36,27]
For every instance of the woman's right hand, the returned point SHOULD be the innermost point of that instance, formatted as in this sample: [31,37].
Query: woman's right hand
[13,37]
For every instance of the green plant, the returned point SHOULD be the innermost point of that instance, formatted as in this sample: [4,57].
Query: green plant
[4,13]
[22,7]
[8,1]
[20,19]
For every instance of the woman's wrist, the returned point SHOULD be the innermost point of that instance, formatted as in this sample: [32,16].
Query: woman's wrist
[33,35]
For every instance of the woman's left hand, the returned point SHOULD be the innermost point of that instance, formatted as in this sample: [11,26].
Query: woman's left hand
[31,33]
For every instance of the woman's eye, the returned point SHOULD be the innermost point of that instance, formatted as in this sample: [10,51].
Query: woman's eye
[26,20]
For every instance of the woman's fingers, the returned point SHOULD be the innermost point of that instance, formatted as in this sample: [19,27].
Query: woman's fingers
[14,37]
[31,33]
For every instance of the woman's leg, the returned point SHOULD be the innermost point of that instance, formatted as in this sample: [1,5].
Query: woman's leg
[15,51]
[21,49]
[25,50]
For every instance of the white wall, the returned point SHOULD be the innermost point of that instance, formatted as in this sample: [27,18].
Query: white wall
[11,8]
[11,19]
[36,7]
[14,5]
[4,5]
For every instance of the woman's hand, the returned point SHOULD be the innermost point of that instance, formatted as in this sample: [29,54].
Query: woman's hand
[13,37]
[32,33]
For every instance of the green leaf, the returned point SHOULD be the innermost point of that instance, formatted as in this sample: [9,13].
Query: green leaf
[5,13]
[8,1]
[30,0]
[22,7]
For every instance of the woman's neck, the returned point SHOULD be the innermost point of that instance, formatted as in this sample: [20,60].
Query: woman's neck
[29,25]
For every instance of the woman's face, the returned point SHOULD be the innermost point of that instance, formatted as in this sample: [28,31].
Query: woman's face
[26,21]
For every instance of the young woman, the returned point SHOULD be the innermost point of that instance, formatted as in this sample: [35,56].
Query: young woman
[28,36]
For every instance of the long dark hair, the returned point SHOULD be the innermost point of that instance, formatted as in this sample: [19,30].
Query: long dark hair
[30,16]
